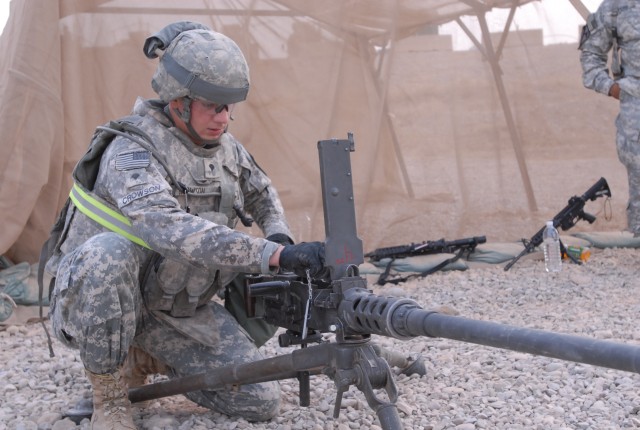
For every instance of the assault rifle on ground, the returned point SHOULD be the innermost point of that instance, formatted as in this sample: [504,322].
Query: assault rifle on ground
[457,247]
[342,307]
[567,218]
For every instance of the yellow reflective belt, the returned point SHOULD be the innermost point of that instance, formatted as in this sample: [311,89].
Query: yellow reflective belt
[103,214]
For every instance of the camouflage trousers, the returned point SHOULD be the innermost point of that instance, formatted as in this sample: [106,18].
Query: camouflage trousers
[97,307]
[628,148]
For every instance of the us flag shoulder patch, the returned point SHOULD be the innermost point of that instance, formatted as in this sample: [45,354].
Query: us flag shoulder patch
[132,160]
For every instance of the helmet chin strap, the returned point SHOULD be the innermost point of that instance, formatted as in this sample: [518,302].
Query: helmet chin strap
[185,116]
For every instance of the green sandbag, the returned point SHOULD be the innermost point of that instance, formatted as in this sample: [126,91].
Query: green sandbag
[574,241]
[19,282]
[422,263]
[610,239]
[495,253]
[367,268]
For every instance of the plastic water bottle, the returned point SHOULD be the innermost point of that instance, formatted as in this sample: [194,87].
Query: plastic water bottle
[551,248]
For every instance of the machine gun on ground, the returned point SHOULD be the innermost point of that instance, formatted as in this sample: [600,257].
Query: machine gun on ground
[458,247]
[567,218]
[426,248]
[342,305]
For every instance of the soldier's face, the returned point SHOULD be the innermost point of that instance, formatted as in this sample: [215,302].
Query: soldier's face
[208,120]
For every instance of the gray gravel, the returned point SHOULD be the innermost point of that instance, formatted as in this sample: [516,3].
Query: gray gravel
[467,386]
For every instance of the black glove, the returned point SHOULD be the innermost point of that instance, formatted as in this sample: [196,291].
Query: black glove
[306,255]
[280,238]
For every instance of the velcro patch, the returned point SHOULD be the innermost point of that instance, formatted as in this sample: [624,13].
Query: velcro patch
[132,160]
[138,194]
[586,34]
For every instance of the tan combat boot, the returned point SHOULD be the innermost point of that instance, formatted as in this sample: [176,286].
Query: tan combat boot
[111,405]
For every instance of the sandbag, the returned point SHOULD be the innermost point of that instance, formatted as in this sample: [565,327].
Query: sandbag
[367,268]
[19,282]
[574,241]
[610,239]
[495,253]
[19,286]
[422,263]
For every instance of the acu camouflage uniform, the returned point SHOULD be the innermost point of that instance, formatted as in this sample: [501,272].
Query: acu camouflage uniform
[615,27]
[112,294]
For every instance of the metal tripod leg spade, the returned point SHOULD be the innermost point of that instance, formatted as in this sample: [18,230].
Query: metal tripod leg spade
[361,366]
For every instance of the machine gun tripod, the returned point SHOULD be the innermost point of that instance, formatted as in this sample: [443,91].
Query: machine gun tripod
[349,363]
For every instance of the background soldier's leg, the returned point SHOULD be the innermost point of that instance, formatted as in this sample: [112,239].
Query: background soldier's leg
[628,146]
[633,209]
[228,344]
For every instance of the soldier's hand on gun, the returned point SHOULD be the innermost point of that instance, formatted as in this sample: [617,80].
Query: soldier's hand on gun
[302,256]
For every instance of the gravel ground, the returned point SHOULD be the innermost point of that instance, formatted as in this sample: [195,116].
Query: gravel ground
[466,387]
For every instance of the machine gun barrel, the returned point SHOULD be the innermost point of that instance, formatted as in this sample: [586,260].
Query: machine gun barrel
[402,318]
[567,347]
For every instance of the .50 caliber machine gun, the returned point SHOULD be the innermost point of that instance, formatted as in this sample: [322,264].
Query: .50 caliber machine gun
[342,305]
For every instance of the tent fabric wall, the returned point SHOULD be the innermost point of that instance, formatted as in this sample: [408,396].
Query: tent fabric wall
[434,154]
[31,126]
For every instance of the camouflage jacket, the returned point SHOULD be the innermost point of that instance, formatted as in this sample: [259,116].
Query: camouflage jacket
[614,21]
[191,224]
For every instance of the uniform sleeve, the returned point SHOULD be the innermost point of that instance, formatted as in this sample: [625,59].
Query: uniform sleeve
[135,182]
[595,44]
[260,196]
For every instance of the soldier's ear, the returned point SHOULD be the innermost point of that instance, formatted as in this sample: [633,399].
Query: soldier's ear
[176,104]
[176,107]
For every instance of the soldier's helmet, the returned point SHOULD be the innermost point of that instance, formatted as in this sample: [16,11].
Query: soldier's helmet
[202,64]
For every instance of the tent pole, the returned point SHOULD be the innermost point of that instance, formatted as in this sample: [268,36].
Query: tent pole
[493,60]
[506,108]
[381,80]
[581,8]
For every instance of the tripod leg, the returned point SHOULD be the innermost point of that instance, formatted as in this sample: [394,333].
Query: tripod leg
[373,371]
[407,365]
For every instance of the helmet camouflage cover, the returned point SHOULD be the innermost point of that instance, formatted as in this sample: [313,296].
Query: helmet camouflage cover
[202,64]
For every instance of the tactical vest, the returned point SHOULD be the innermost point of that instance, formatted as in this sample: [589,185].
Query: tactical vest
[168,285]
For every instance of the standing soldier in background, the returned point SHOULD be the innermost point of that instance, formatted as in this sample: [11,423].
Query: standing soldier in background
[147,237]
[615,27]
